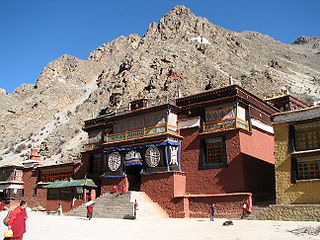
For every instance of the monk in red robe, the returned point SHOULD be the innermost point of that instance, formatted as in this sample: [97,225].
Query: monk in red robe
[123,189]
[17,221]
[2,204]
[90,211]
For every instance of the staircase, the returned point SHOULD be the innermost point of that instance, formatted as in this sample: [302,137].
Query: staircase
[121,206]
[107,206]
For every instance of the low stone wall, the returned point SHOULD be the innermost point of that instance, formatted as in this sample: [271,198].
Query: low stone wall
[228,205]
[294,212]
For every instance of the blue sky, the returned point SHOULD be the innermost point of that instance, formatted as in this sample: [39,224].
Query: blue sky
[35,32]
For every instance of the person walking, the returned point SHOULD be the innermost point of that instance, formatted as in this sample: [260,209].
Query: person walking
[90,209]
[212,212]
[17,222]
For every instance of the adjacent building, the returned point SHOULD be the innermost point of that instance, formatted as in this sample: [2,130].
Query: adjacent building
[297,154]
[45,187]
[11,182]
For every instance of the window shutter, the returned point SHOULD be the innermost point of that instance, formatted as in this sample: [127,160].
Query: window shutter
[293,170]
[291,146]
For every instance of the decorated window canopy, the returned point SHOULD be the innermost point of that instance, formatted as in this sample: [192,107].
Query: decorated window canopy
[157,144]
[158,156]
[86,182]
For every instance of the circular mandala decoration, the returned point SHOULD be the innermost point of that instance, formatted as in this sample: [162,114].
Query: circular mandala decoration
[152,156]
[114,161]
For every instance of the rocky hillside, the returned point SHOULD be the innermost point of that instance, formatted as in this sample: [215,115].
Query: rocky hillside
[181,55]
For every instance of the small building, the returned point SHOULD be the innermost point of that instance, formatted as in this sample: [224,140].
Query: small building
[70,194]
[286,103]
[212,147]
[297,155]
[11,183]
[47,186]
[35,178]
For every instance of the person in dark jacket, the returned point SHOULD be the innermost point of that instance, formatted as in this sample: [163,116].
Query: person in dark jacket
[17,222]
[212,212]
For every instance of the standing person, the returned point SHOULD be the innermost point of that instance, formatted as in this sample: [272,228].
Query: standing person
[135,208]
[246,208]
[123,189]
[59,209]
[90,210]
[212,212]
[2,204]
[115,189]
[17,222]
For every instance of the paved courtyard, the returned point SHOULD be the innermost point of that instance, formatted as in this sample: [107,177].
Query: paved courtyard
[47,227]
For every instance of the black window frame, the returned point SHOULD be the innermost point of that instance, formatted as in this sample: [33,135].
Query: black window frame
[305,135]
[292,148]
[204,153]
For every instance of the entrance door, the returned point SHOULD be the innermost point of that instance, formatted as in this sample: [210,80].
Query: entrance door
[134,177]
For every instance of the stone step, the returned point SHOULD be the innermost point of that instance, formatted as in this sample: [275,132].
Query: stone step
[121,206]
[108,206]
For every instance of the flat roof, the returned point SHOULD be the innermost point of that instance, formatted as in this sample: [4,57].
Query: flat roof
[296,115]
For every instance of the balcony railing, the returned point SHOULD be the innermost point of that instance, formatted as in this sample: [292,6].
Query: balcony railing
[142,133]
[11,178]
[225,124]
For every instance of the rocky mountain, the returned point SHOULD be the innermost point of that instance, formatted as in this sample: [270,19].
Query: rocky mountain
[181,55]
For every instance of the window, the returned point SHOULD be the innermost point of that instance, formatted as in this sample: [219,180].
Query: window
[53,194]
[35,191]
[66,194]
[307,136]
[18,175]
[213,153]
[308,168]
[79,193]
[56,175]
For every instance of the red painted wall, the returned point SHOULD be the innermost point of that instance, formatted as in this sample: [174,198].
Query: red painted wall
[221,180]
[160,188]
[30,177]
[259,145]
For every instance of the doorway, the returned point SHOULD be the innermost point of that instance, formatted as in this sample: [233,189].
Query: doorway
[134,177]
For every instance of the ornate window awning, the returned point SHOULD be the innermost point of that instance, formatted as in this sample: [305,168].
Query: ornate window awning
[154,144]
[153,157]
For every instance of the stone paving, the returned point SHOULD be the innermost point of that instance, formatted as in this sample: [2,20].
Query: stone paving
[49,227]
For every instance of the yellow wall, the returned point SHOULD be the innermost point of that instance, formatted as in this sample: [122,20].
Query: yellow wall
[303,191]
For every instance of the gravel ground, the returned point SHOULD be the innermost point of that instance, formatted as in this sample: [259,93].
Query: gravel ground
[47,227]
